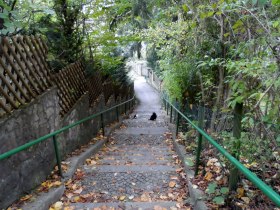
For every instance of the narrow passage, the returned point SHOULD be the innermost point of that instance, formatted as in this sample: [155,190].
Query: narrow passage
[137,169]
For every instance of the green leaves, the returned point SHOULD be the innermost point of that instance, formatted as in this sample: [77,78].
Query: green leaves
[185,8]
[219,193]
[211,188]
[237,24]
[259,2]
[224,190]
[275,2]
[189,162]
[206,14]
[219,200]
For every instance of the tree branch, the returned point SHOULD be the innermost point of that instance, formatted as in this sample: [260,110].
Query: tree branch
[267,90]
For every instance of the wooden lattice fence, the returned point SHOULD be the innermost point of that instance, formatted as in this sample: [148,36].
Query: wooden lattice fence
[95,87]
[117,90]
[71,83]
[24,73]
[108,89]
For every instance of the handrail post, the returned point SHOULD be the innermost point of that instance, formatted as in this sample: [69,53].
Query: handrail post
[199,145]
[57,155]
[186,131]
[102,124]
[177,123]
[171,113]
[117,112]
[167,107]
[125,108]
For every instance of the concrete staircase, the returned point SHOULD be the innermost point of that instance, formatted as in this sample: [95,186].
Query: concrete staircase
[137,168]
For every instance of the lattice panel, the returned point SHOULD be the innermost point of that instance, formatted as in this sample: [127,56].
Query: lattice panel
[108,89]
[117,90]
[71,85]
[95,87]
[24,73]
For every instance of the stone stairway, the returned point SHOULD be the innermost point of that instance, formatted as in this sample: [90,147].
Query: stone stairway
[137,168]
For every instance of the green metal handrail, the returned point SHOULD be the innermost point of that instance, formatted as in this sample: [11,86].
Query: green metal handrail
[53,134]
[267,190]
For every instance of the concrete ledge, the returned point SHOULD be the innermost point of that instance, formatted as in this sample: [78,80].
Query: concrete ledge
[45,199]
[78,160]
[195,194]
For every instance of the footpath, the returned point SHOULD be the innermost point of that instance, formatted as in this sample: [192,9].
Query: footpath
[137,169]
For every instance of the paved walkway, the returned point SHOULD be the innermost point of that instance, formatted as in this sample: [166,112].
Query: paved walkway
[137,169]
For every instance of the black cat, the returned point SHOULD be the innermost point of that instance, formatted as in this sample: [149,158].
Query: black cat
[154,116]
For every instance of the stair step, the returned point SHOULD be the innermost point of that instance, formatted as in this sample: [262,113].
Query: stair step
[131,139]
[129,183]
[136,162]
[126,168]
[141,131]
[145,123]
[125,205]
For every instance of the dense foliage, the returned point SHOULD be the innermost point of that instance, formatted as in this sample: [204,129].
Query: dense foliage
[74,30]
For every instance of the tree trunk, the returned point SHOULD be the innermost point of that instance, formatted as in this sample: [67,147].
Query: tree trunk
[221,69]
[218,99]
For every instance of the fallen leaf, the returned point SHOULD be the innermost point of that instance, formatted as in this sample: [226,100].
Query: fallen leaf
[180,199]
[121,198]
[69,208]
[178,205]
[172,184]
[58,205]
[76,199]
[163,197]
[78,191]
[208,176]
[159,208]
[74,187]
[218,178]
[56,183]
[246,200]
[25,198]
[170,195]
[240,192]
[68,182]
[211,161]
[179,170]
[174,177]
[145,197]
[69,195]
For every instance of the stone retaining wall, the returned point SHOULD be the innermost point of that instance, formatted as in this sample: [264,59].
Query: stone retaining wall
[22,172]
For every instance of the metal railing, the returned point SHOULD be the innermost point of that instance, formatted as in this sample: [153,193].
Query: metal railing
[127,106]
[267,190]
